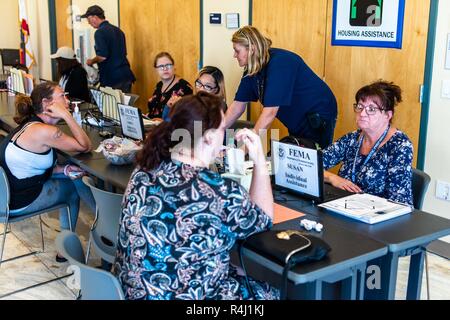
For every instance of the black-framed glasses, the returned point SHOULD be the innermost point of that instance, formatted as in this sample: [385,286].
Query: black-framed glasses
[371,109]
[166,66]
[207,87]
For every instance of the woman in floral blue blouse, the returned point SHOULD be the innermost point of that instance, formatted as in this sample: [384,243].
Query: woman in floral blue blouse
[180,220]
[377,157]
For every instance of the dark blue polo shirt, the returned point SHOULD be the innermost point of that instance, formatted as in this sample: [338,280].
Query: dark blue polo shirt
[292,86]
[110,44]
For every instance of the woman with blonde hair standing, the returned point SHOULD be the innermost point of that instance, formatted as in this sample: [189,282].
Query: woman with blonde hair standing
[284,84]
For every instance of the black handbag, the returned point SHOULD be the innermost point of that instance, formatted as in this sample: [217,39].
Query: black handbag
[287,248]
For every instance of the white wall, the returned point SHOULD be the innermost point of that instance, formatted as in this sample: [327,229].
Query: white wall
[9,24]
[40,37]
[437,158]
[217,46]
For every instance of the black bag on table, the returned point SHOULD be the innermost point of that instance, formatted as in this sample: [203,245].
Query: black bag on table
[287,248]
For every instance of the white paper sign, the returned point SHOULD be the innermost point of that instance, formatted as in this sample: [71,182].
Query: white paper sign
[296,168]
[368,23]
[131,122]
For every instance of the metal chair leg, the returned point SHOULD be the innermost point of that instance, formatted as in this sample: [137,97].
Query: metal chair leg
[69,218]
[42,234]
[3,242]
[88,250]
[427,275]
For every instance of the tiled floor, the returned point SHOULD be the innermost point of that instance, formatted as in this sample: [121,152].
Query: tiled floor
[27,271]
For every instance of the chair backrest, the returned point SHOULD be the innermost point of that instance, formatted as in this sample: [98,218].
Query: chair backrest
[95,284]
[133,98]
[4,194]
[420,182]
[108,213]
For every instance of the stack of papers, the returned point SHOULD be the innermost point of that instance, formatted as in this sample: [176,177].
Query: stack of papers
[367,208]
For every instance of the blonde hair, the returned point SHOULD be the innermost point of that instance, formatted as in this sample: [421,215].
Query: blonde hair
[217,75]
[258,48]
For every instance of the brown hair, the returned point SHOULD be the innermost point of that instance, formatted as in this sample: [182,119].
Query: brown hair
[258,46]
[161,55]
[203,107]
[387,93]
[65,64]
[26,107]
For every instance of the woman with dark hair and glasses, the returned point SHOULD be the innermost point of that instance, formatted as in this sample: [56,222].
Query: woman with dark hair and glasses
[180,220]
[210,79]
[377,157]
[169,89]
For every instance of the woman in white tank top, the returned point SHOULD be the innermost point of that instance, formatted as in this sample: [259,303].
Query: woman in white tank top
[28,156]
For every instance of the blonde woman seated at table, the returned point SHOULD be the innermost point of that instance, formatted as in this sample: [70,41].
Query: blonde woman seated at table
[180,220]
[28,156]
[377,157]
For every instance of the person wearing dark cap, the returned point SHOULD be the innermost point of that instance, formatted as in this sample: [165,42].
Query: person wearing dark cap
[111,52]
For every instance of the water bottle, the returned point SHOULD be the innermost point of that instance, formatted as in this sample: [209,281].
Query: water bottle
[226,164]
[77,115]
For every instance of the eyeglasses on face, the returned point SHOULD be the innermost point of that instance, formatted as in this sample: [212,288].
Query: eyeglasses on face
[164,66]
[371,109]
[207,87]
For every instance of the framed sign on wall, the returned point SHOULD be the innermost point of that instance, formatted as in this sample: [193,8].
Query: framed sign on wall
[368,23]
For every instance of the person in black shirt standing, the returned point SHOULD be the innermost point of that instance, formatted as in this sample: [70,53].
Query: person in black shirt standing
[111,52]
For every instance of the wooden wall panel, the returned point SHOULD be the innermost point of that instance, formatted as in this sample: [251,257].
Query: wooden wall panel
[152,26]
[298,26]
[63,25]
[349,68]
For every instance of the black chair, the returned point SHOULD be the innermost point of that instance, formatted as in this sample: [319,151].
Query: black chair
[10,58]
[420,183]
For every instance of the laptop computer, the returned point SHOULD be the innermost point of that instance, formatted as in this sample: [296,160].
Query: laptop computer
[300,170]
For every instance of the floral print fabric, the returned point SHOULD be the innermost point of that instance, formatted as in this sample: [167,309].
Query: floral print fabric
[178,226]
[387,174]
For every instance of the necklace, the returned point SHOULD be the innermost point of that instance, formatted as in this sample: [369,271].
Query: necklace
[167,88]
[371,153]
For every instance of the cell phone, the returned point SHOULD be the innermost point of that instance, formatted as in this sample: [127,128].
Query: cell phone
[75,174]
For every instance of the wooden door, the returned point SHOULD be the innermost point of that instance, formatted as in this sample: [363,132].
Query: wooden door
[349,68]
[152,26]
[63,23]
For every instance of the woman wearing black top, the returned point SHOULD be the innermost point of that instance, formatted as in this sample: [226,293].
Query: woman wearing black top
[169,90]
[72,76]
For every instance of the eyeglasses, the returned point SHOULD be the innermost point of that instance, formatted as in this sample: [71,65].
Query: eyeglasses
[164,66]
[371,109]
[207,87]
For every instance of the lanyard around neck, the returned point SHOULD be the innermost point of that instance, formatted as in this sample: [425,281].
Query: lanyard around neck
[168,87]
[371,153]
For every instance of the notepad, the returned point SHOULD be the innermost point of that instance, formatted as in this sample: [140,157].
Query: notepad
[367,208]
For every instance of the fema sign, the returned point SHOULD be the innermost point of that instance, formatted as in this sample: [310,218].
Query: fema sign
[368,23]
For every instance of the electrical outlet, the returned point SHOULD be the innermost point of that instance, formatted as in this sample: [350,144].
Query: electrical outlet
[443,190]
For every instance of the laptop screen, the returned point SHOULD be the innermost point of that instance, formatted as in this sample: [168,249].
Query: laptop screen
[131,122]
[298,169]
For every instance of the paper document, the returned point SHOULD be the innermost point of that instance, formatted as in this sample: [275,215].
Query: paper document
[367,208]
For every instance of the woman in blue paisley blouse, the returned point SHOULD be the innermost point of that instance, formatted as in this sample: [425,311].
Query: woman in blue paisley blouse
[377,157]
[180,220]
